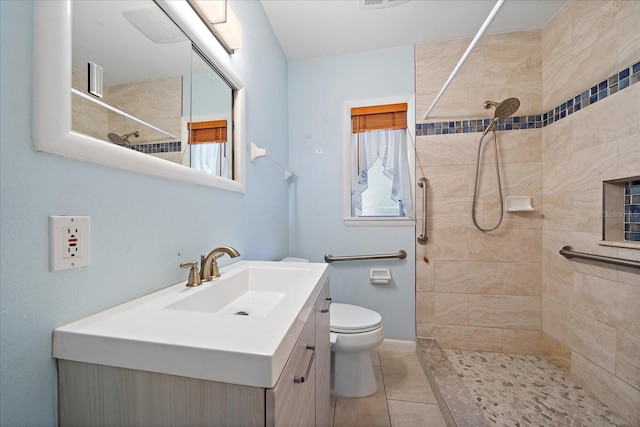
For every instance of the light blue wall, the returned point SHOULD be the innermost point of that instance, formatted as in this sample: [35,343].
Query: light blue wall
[317,91]
[142,227]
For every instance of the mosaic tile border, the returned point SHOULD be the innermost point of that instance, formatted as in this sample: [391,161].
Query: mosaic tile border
[615,83]
[161,147]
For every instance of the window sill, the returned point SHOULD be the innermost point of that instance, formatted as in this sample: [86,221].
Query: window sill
[379,222]
[619,244]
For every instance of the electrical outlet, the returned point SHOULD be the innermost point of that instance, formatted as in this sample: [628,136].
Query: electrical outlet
[72,242]
[69,242]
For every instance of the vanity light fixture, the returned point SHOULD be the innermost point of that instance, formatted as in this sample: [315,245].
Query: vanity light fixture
[221,21]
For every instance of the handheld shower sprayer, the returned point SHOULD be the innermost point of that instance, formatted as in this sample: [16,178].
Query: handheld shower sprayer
[503,110]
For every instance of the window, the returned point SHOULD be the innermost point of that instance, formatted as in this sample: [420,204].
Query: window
[209,150]
[379,165]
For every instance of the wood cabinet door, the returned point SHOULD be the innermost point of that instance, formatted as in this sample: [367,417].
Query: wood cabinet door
[292,401]
[323,359]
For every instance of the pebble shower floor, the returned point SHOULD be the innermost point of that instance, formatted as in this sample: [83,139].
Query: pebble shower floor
[521,390]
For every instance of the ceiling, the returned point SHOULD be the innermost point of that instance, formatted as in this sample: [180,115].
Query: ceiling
[314,28]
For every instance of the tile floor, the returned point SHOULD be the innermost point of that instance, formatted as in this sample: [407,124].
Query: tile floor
[521,390]
[404,397]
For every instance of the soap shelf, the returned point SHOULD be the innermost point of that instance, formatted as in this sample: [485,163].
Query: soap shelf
[519,204]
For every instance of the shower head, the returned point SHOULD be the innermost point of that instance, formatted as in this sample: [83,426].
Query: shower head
[505,108]
[124,139]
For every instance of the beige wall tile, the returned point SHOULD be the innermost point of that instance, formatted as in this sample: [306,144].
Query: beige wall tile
[529,93]
[558,211]
[451,309]
[628,358]
[424,330]
[556,37]
[555,352]
[557,284]
[629,154]
[156,101]
[579,172]
[424,276]
[448,181]
[628,32]
[617,394]
[609,302]
[424,307]
[522,279]
[557,138]
[603,123]
[453,105]
[555,320]
[520,146]
[511,220]
[590,21]
[434,62]
[447,150]
[520,341]
[468,338]
[505,246]
[516,178]
[592,339]
[628,275]
[450,213]
[468,277]
[450,245]
[512,312]
[512,57]
[587,211]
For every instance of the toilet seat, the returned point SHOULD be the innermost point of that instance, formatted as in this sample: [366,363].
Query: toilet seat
[352,319]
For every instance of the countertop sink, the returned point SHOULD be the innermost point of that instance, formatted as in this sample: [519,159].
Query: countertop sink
[239,328]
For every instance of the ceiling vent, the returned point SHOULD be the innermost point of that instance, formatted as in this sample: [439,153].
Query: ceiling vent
[379,4]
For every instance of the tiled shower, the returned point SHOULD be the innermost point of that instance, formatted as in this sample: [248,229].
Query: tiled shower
[578,125]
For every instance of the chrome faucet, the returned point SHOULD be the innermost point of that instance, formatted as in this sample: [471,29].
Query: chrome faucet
[209,264]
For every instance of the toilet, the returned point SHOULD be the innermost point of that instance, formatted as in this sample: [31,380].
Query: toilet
[354,330]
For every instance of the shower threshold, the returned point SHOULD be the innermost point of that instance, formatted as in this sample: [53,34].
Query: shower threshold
[476,388]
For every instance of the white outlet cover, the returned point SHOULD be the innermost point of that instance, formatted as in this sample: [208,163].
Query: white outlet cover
[58,241]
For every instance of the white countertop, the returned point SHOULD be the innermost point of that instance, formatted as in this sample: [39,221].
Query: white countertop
[144,334]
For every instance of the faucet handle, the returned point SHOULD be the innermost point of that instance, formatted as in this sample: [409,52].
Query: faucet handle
[194,276]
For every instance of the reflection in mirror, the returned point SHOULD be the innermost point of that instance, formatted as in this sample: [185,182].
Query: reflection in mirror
[209,101]
[153,86]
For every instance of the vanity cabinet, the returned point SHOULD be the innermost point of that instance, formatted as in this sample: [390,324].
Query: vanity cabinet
[92,394]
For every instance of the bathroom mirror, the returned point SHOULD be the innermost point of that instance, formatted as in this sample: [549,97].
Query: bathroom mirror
[161,98]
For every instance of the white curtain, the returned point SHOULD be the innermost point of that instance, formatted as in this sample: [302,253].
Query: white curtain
[390,146]
[206,158]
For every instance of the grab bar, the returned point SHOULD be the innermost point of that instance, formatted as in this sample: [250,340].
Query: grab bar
[568,252]
[423,238]
[402,254]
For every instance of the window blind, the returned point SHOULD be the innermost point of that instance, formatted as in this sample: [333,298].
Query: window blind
[379,117]
[207,132]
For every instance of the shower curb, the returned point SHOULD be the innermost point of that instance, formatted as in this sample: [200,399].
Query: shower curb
[454,400]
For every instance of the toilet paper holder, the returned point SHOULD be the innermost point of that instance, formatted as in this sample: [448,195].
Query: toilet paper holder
[379,276]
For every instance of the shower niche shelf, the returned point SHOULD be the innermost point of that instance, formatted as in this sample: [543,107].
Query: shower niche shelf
[519,204]
[621,213]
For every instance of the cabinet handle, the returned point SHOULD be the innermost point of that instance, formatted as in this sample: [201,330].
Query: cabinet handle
[300,379]
[326,310]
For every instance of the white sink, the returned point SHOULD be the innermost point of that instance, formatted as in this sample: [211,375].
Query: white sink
[203,332]
[254,292]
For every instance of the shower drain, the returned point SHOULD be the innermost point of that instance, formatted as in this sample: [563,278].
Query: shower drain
[240,313]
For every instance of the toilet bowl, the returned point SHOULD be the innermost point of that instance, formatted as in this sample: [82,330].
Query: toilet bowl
[354,331]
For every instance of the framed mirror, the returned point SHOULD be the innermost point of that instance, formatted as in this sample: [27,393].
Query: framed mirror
[158,98]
